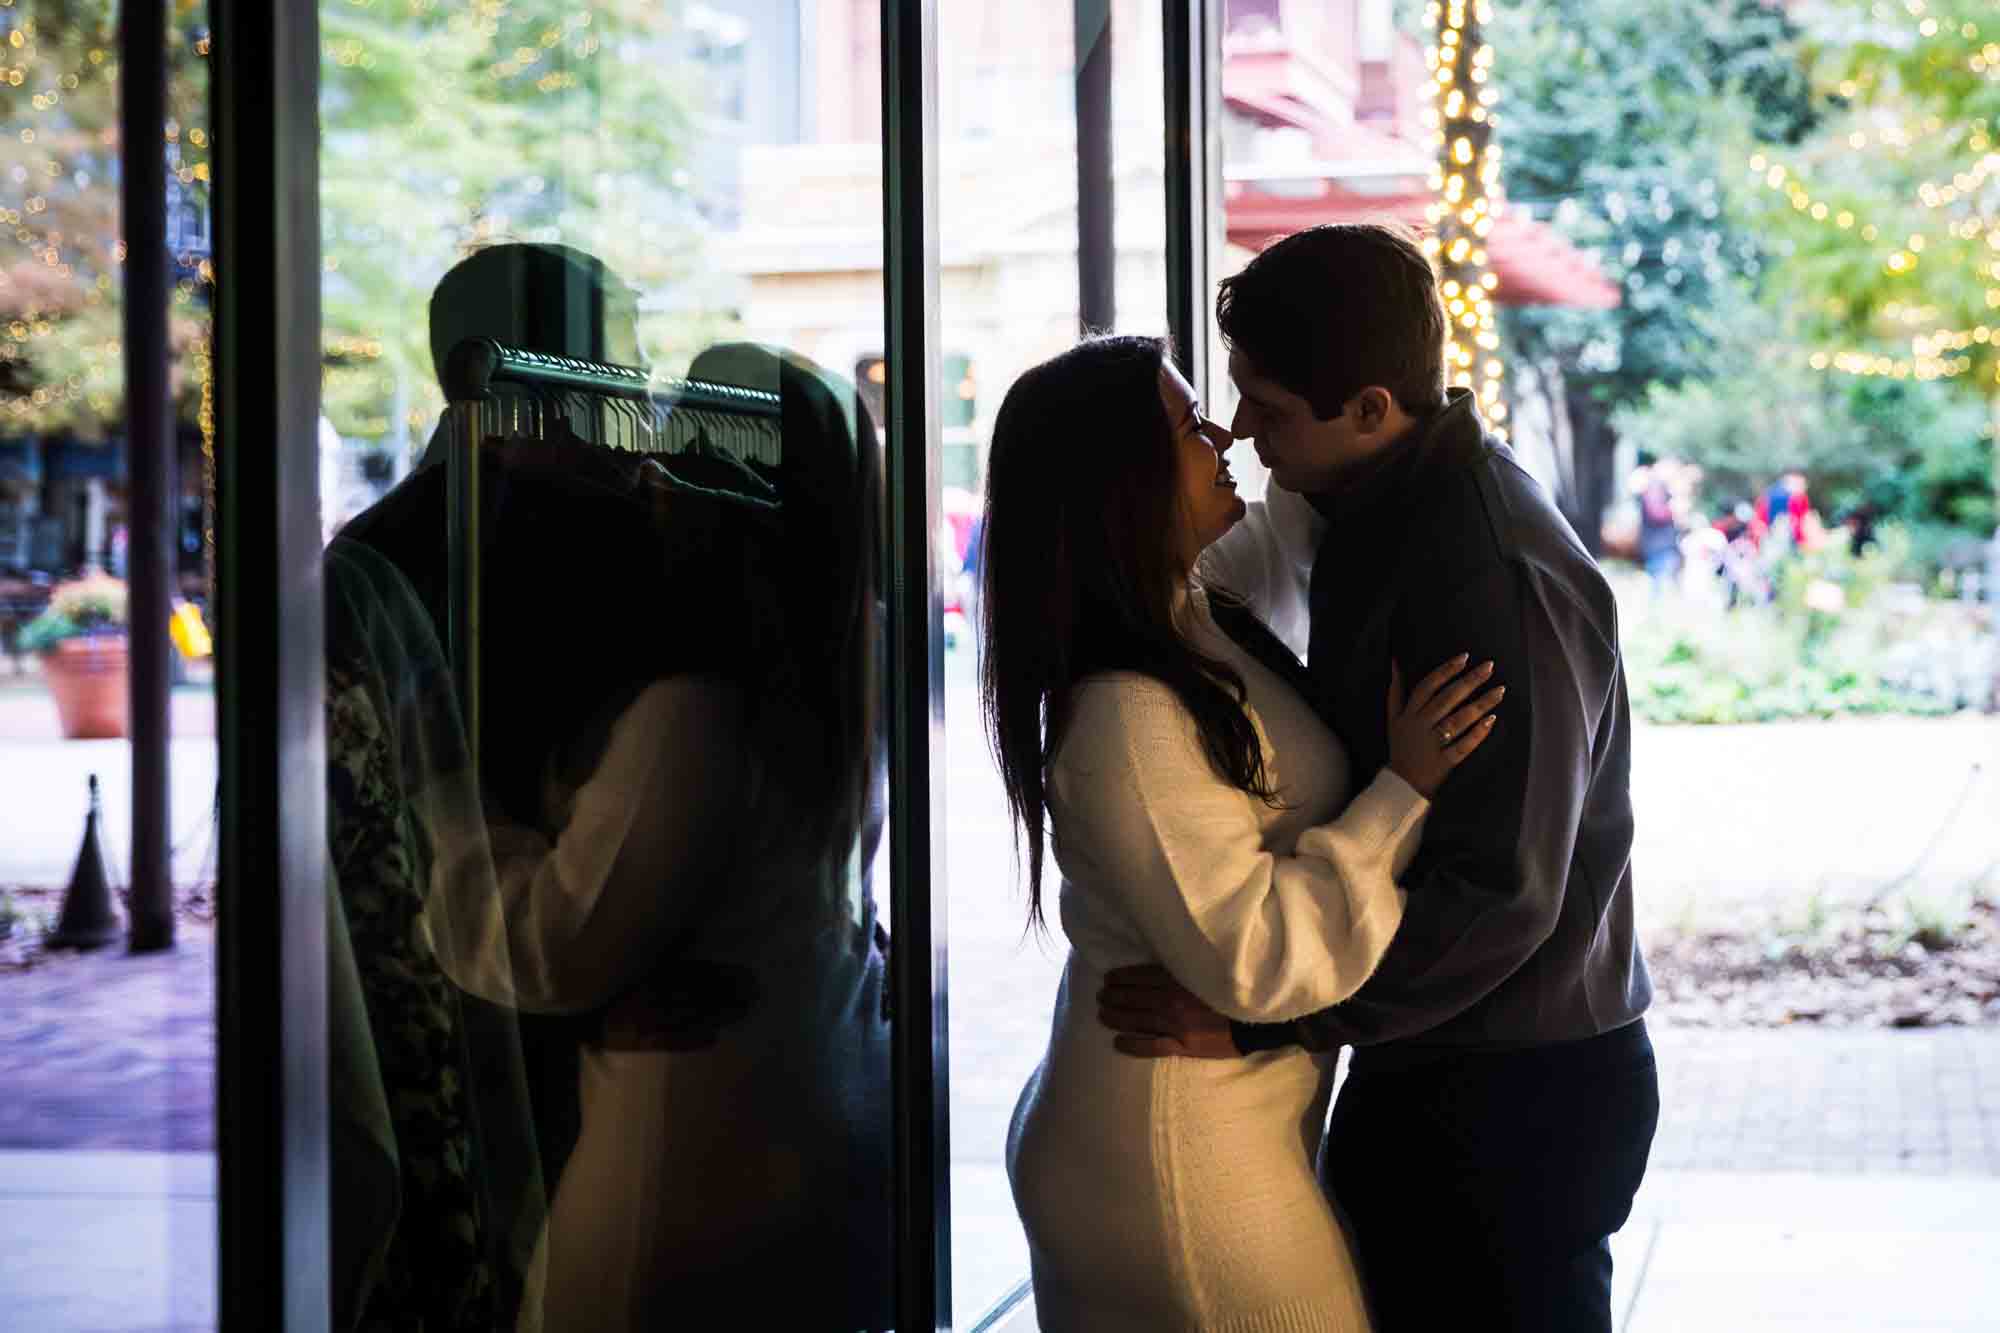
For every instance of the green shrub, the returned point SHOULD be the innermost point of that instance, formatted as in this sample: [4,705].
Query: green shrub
[1809,653]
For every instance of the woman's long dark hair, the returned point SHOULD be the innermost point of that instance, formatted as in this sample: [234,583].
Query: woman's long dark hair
[813,705]
[1081,571]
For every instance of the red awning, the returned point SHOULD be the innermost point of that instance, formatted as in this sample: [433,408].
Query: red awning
[1536,264]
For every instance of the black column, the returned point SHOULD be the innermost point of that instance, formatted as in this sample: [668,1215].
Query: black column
[150,561]
[1192,30]
[915,667]
[1096,252]
[271,1099]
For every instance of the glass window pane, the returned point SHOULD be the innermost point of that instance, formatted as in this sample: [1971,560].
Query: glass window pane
[107,1057]
[1010,141]
[604,721]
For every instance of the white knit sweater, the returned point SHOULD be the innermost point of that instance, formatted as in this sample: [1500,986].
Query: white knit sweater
[1180,1194]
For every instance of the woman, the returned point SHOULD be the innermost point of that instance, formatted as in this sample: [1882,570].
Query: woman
[1204,819]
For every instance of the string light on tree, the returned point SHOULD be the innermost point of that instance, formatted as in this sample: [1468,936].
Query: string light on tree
[1467,181]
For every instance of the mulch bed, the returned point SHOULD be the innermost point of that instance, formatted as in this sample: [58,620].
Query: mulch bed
[1863,968]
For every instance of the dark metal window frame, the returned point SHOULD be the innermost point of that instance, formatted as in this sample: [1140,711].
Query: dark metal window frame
[271,1097]
[1193,38]
[271,1010]
[921,1076]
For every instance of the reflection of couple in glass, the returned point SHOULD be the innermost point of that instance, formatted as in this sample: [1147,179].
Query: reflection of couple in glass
[687,874]
[1262,860]
[665,842]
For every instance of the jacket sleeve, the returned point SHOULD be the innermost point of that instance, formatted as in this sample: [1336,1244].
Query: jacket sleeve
[1487,886]
[1143,822]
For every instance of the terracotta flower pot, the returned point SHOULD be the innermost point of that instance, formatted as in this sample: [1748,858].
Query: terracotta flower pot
[87,676]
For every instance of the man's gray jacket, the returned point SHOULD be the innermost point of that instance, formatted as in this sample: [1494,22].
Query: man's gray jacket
[1519,927]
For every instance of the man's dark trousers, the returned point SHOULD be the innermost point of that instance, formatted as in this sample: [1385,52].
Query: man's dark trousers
[1481,1187]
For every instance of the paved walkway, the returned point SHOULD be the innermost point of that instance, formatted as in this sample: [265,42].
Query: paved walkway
[1736,1252]
[107,1242]
[44,789]
[1831,1102]
[1802,1178]
[110,1050]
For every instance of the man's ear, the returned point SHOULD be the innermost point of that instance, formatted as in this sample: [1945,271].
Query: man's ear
[1373,407]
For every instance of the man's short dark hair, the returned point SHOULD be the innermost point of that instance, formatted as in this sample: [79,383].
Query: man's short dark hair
[1328,311]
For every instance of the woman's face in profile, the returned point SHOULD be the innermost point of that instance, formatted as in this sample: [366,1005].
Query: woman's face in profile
[1205,489]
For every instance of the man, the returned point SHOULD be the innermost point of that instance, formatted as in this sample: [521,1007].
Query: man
[1502,1096]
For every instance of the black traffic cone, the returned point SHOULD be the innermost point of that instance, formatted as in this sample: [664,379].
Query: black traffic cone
[88,921]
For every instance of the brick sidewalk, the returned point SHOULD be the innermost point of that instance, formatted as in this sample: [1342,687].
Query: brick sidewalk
[1840,1162]
[107,1050]
[110,1050]
[1830,1102]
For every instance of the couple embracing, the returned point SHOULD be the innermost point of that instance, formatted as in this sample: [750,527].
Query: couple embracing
[1344,767]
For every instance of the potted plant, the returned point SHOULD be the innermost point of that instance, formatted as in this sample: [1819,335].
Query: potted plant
[80,640]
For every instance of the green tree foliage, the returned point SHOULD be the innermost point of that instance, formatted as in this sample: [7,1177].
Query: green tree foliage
[61,363]
[1616,113]
[1909,451]
[449,127]
[1869,355]
[1615,119]
[446,126]
[1891,209]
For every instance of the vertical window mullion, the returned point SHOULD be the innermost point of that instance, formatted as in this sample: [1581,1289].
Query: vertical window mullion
[271,1098]
[915,665]
[1194,200]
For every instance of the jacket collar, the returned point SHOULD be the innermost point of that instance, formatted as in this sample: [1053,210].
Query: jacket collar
[1453,433]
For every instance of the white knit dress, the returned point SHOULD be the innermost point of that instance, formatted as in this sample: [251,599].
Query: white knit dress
[1179,1194]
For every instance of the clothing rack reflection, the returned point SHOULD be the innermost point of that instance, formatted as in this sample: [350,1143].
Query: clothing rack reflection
[497,392]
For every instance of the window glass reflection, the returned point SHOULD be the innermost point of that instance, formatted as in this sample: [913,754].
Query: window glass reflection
[603,667]
[1013,264]
[107,1056]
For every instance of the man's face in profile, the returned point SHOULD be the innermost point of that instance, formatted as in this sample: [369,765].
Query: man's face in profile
[1302,452]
